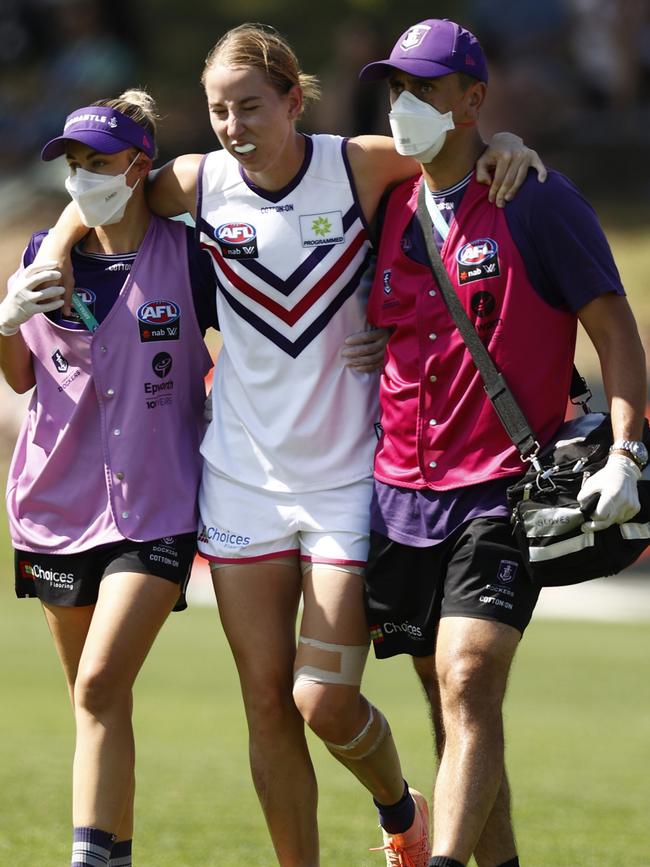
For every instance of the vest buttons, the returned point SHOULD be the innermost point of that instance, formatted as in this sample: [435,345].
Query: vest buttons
[432,292]
[432,422]
[433,464]
[433,378]
[433,336]
[119,476]
[125,514]
[110,392]
[117,432]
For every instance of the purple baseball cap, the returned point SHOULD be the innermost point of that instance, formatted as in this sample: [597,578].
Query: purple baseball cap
[104,129]
[430,49]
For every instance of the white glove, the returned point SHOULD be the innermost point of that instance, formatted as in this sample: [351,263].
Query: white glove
[24,298]
[619,498]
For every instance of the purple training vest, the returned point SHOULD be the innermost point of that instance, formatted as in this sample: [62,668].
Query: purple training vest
[110,446]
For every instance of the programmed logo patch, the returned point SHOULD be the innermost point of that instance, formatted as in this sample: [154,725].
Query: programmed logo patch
[159,320]
[319,229]
[237,240]
[478,260]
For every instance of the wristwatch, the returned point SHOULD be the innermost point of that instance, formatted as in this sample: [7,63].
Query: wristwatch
[635,449]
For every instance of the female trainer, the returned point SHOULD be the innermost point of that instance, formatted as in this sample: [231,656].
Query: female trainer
[102,488]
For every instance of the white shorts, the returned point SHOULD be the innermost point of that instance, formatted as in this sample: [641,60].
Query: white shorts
[243,524]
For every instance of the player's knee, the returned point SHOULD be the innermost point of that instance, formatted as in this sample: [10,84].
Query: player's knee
[329,710]
[324,672]
[269,705]
[365,741]
[98,691]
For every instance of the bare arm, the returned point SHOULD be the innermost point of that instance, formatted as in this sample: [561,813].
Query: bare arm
[172,190]
[57,247]
[611,326]
[16,363]
[376,166]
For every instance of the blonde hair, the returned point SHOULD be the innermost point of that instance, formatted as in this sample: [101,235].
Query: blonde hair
[139,105]
[261,47]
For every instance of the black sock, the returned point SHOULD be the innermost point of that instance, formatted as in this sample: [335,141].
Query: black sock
[91,846]
[513,862]
[121,854]
[443,861]
[397,818]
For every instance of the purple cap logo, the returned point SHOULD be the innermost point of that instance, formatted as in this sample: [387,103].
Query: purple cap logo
[414,36]
[430,49]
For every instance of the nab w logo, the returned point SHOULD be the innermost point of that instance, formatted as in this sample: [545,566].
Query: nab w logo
[159,320]
[237,240]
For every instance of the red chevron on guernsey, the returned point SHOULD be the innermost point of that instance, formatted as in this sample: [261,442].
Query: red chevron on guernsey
[289,317]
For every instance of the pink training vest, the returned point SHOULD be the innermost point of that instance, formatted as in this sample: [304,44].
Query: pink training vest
[440,430]
[110,446]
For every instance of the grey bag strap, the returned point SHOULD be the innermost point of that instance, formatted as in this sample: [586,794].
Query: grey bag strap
[507,408]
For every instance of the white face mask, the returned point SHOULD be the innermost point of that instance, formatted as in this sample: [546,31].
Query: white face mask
[419,130]
[101,199]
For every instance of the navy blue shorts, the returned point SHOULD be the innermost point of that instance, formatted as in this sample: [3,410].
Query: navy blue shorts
[74,579]
[477,571]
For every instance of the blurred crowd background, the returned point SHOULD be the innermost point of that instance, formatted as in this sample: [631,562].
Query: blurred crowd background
[571,76]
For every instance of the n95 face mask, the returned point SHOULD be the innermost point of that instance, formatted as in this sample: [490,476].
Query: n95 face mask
[419,130]
[101,199]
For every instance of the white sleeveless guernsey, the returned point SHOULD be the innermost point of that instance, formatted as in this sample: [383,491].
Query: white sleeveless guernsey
[290,265]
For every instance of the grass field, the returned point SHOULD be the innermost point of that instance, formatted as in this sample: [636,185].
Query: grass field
[578,722]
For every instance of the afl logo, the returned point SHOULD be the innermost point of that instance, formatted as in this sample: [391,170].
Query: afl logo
[235,233]
[159,312]
[477,252]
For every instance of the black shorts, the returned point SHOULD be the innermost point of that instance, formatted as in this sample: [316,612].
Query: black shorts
[476,572]
[73,579]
